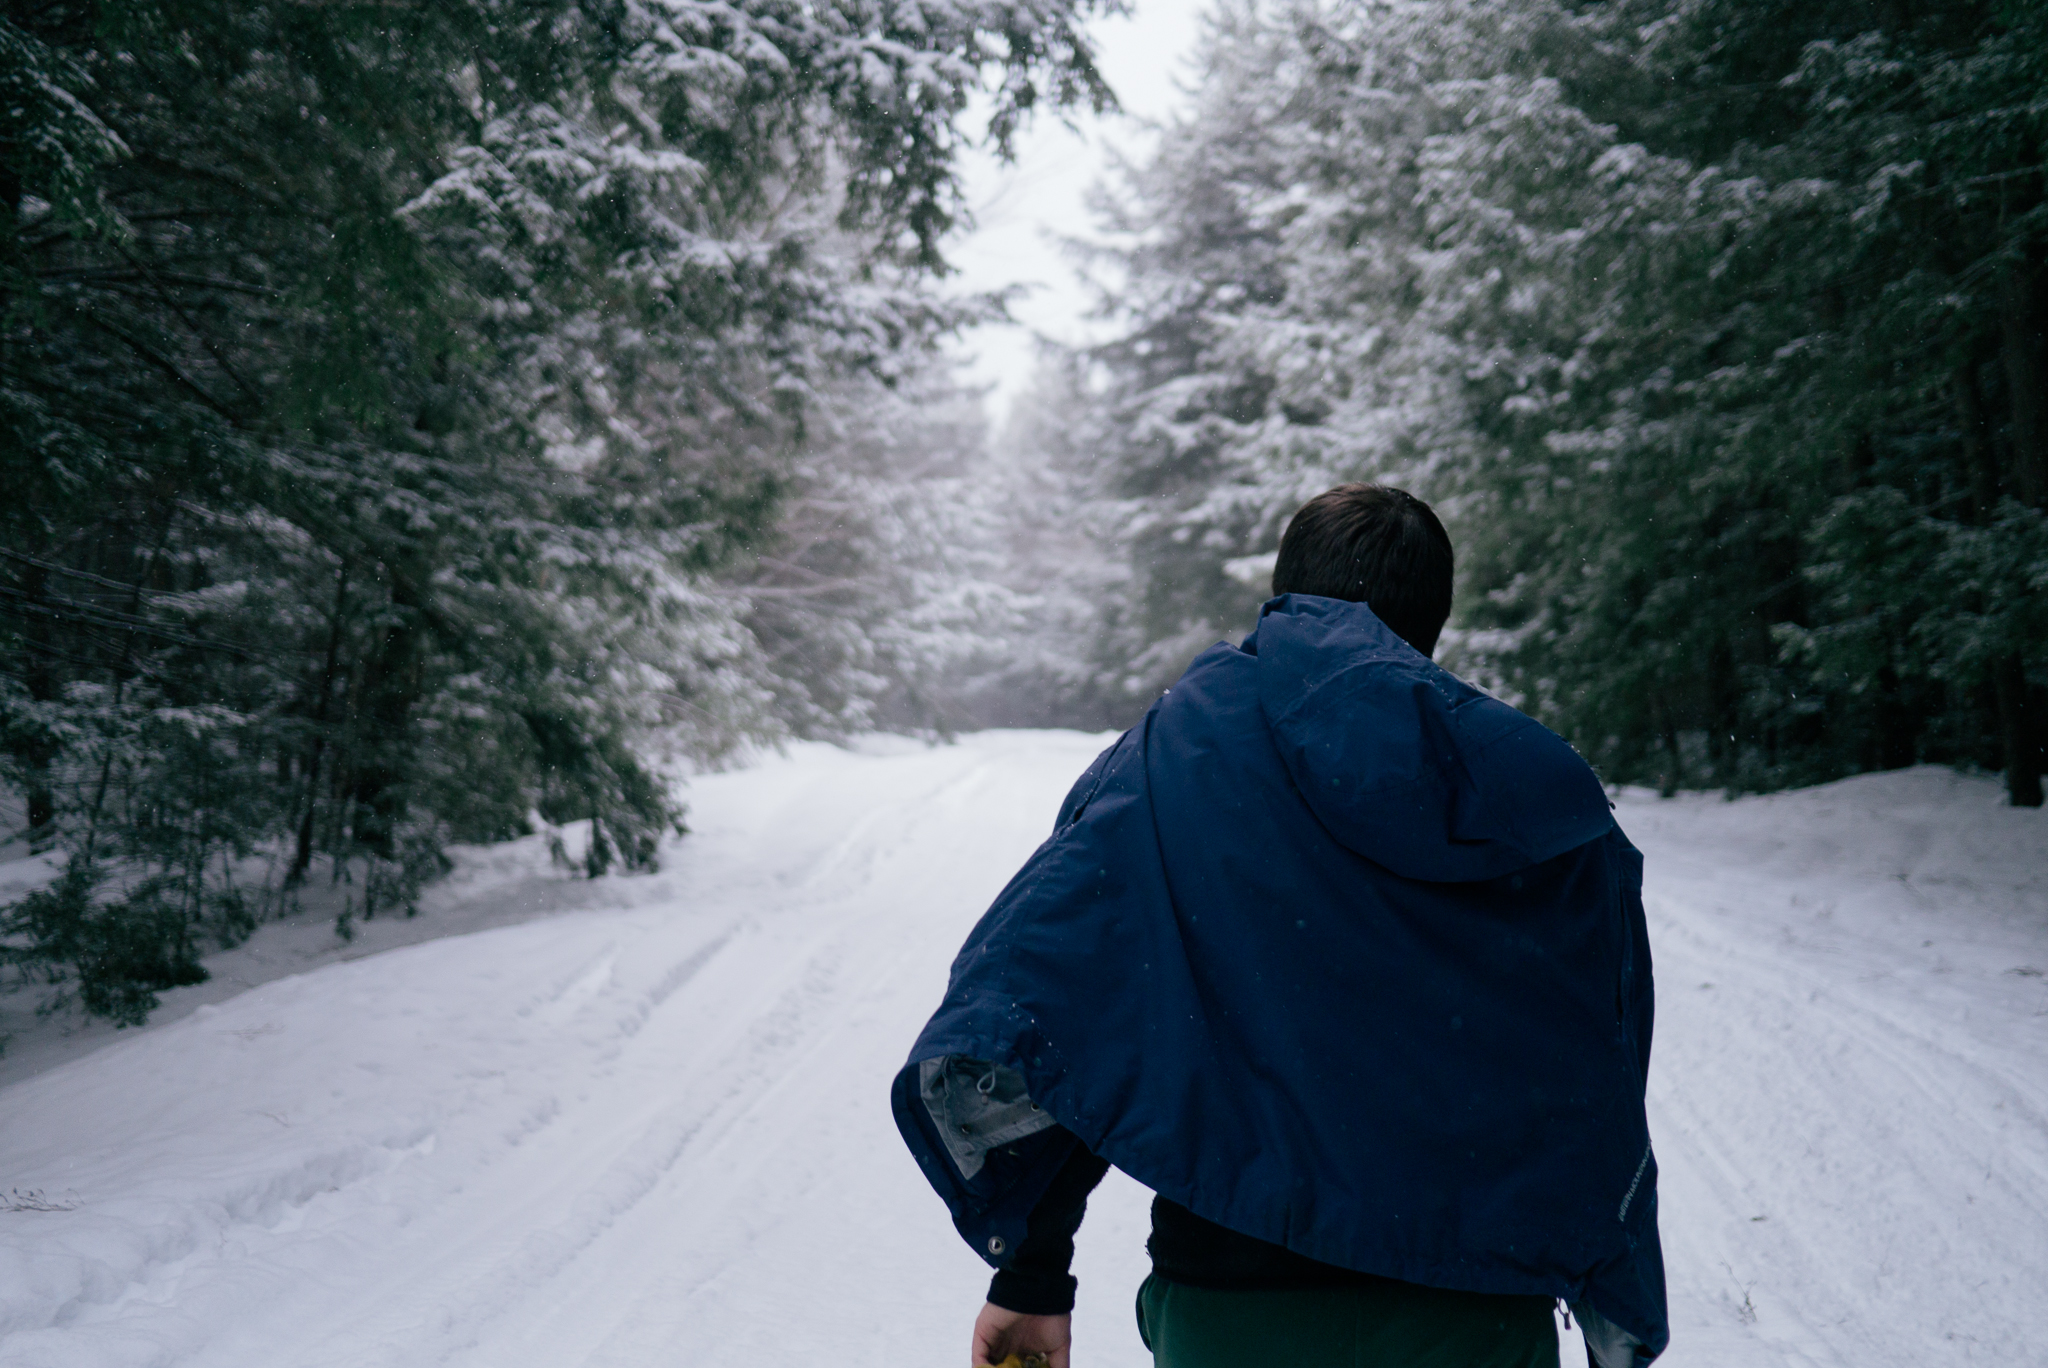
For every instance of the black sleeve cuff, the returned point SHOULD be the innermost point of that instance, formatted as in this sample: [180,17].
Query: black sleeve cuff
[1033,1294]
[1035,1281]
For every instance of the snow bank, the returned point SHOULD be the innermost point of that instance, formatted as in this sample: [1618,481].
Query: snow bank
[1850,1090]
[494,885]
[654,1129]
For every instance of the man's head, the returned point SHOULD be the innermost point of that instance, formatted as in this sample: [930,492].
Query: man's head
[1373,545]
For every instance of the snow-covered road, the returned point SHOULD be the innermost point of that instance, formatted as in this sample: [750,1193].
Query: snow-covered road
[659,1134]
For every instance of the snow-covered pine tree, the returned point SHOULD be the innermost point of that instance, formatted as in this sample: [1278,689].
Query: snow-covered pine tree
[382,389]
[1715,329]
[1762,511]
[876,597]
[1270,275]
[1053,532]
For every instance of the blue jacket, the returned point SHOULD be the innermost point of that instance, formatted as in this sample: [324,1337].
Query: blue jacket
[1336,951]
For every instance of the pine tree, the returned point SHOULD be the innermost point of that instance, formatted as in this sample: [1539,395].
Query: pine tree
[1714,329]
[382,390]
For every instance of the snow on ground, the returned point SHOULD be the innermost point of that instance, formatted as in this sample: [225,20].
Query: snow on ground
[1849,1089]
[653,1128]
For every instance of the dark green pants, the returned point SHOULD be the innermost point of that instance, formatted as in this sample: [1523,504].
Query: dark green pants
[1375,1325]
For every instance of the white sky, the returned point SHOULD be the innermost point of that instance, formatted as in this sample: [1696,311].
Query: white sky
[1022,209]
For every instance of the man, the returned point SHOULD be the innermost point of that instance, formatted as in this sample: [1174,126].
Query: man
[1345,961]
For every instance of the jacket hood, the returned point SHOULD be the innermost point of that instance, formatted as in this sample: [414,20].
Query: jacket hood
[1405,763]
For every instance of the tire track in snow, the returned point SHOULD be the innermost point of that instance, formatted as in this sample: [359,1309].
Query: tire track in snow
[1846,1178]
[603,1168]
[813,1062]
[781,979]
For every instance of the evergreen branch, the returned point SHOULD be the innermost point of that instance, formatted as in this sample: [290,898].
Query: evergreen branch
[44,648]
[71,611]
[198,333]
[793,591]
[58,567]
[170,369]
[110,276]
[160,163]
[803,570]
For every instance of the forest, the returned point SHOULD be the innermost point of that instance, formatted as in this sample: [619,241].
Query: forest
[419,421]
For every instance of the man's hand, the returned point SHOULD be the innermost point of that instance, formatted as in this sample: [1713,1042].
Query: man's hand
[999,1333]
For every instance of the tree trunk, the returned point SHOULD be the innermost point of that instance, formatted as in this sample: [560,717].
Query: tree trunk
[1894,744]
[37,753]
[2020,731]
[2024,349]
[392,685]
[302,853]
[302,857]
[10,217]
[1980,456]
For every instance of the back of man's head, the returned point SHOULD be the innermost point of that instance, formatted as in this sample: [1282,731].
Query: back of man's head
[1374,545]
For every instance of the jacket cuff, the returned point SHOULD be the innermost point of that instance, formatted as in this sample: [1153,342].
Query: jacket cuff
[1033,1294]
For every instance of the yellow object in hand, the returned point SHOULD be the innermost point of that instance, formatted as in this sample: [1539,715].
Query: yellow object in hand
[1013,1361]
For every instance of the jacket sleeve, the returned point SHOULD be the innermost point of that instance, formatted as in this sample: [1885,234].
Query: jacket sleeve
[1036,1281]
[991,1158]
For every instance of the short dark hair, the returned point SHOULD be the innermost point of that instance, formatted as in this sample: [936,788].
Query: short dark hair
[1375,545]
